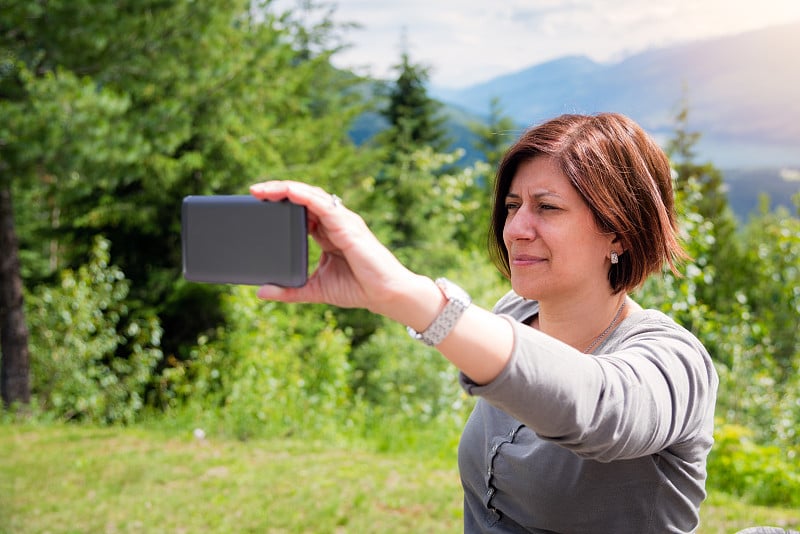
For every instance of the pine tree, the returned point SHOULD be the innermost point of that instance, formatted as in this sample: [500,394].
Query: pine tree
[681,151]
[493,138]
[401,200]
[414,118]
[702,185]
[113,111]
[496,134]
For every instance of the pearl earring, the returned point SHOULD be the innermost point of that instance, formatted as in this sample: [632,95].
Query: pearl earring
[614,258]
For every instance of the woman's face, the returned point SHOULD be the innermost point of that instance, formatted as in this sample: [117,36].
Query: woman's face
[555,249]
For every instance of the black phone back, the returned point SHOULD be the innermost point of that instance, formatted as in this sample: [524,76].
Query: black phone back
[238,239]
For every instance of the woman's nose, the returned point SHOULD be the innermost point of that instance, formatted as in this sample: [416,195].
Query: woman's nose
[520,225]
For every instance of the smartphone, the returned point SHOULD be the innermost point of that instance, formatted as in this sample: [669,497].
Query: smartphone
[238,239]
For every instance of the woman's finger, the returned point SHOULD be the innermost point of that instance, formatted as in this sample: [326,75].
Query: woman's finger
[314,198]
[354,268]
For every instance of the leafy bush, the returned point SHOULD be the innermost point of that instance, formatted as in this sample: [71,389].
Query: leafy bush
[406,377]
[771,280]
[275,369]
[89,358]
[764,474]
[751,335]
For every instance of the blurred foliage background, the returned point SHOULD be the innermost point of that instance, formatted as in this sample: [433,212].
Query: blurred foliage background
[112,112]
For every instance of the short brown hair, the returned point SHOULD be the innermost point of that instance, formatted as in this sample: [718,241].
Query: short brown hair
[623,176]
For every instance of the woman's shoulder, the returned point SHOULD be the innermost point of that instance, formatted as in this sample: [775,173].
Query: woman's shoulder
[650,323]
[652,319]
[644,318]
[644,324]
[515,306]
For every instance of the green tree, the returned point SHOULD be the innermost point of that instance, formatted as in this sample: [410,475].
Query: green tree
[15,360]
[701,184]
[495,135]
[760,349]
[417,201]
[35,137]
[739,296]
[414,117]
[771,269]
[121,109]
[100,361]
[275,370]
[406,157]
[681,150]
[493,138]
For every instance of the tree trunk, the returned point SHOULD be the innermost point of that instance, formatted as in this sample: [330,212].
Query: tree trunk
[14,358]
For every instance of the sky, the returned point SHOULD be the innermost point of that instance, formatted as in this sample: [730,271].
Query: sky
[463,42]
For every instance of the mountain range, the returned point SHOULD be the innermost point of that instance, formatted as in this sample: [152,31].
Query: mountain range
[742,92]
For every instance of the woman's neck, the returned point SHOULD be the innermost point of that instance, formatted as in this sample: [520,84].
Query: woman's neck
[583,324]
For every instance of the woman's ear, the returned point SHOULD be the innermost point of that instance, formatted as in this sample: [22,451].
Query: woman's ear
[618,245]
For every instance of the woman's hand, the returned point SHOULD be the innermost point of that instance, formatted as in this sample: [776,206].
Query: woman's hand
[355,269]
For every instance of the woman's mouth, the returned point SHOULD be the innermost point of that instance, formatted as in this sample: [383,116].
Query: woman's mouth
[522,260]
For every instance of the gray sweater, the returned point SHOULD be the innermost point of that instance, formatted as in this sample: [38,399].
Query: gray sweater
[614,442]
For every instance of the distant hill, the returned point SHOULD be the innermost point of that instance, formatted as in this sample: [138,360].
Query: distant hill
[743,93]
[745,187]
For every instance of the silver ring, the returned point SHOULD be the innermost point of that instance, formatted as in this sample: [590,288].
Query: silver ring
[336,201]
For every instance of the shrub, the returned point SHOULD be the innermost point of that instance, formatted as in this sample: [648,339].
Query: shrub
[763,474]
[89,358]
[275,369]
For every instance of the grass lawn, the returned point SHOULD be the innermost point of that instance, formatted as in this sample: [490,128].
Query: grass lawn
[73,479]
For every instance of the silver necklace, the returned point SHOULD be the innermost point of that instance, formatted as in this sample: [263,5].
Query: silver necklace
[607,330]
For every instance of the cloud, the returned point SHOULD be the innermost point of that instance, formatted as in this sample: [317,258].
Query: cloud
[468,41]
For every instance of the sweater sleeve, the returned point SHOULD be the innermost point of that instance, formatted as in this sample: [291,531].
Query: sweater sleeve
[653,388]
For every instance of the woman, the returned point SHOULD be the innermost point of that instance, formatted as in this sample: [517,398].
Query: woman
[594,415]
